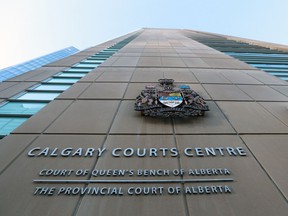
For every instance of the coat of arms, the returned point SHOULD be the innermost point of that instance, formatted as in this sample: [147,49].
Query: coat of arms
[169,100]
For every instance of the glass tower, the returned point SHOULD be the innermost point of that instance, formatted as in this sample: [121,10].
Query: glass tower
[15,110]
[18,69]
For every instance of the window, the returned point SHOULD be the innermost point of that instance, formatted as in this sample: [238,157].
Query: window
[279,73]
[96,58]
[71,74]
[73,69]
[270,66]
[86,65]
[97,61]
[51,87]
[8,124]
[257,54]
[38,96]
[21,108]
[103,56]
[62,80]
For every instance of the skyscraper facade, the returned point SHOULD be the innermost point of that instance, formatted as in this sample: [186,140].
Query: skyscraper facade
[86,151]
[273,61]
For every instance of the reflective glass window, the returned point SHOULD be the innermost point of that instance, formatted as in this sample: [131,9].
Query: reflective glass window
[96,58]
[74,69]
[62,80]
[7,124]
[71,74]
[279,74]
[257,54]
[98,61]
[101,56]
[38,96]
[21,108]
[270,65]
[86,65]
[52,87]
[111,52]
[276,69]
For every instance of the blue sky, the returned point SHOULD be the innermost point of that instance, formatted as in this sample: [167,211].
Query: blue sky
[31,28]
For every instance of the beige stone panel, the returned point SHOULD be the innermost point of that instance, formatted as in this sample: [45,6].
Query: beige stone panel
[133,90]
[142,205]
[271,152]
[262,93]
[95,49]
[213,55]
[125,50]
[4,85]
[200,90]
[180,75]
[195,62]
[38,74]
[104,91]
[281,89]
[206,50]
[92,76]
[167,50]
[128,54]
[149,62]
[85,116]
[74,91]
[11,146]
[109,62]
[151,54]
[170,55]
[17,186]
[68,61]
[200,48]
[212,122]
[164,45]
[115,69]
[41,120]
[250,117]
[43,76]
[278,109]
[128,121]
[209,76]
[204,55]
[225,92]
[266,78]
[126,62]
[115,76]
[252,191]
[239,64]
[172,62]
[239,77]
[147,75]
[188,55]
[150,49]
[183,51]
[16,89]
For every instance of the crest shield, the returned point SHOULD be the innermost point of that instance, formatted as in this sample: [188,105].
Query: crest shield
[173,99]
[169,100]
